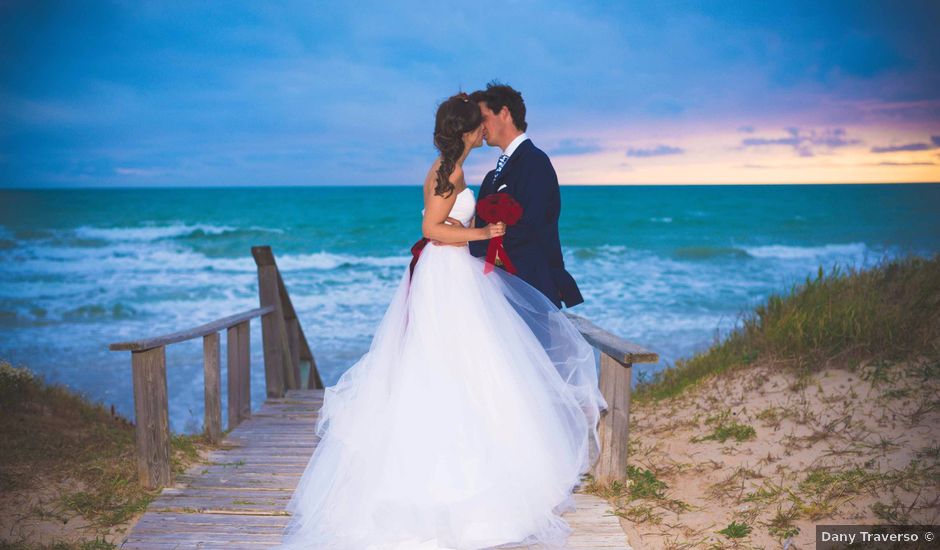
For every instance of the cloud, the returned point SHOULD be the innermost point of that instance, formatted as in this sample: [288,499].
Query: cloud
[793,140]
[905,147]
[657,151]
[576,147]
[804,142]
[832,138]
[889,163]
[935,140]
[284,93]
[142,172]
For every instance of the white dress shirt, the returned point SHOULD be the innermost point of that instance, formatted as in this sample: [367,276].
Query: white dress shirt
[510,149]
[514,144]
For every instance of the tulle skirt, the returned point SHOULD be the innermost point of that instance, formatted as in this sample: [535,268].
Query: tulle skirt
[466,425]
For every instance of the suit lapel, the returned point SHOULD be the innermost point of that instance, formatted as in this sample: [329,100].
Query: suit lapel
[504,175]
[486,187]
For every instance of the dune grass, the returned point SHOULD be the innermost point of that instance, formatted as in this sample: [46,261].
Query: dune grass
[891,312]
[780,438]
[78,455]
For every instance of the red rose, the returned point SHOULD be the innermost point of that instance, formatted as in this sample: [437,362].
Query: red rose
[494,208]
[499,207]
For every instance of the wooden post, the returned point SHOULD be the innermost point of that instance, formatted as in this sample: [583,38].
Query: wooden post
[239,374]
[617,359]
[212,375]
[271,323]
[293,338]
[313,375]
[152,419]
[614,427]
[290,381]
[281,345]
[244,363]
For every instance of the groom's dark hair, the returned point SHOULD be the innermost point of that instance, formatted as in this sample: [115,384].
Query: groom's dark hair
[498,95]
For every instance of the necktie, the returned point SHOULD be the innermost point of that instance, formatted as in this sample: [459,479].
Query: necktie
[499,166]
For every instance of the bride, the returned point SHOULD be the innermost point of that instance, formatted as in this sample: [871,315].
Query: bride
[471,418]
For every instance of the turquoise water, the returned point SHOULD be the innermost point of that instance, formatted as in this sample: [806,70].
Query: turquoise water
[669,267]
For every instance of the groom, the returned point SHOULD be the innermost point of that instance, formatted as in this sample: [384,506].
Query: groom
[526,173]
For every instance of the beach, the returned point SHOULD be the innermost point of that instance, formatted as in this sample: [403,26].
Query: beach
[820,407]
[839,447]
[670,268]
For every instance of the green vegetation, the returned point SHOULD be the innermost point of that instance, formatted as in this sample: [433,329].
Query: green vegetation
[641,498]
[644,483]
[80,453]
[890,312]
[97,544]
[822,406]
[726,427]
[736,530]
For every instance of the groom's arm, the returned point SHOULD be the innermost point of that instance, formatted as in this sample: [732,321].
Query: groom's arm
[537,186]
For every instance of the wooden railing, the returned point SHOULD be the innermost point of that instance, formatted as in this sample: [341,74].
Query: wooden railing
[617,359]
[289,345]
[285,347]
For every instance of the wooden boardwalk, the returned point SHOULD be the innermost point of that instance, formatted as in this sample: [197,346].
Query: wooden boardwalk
[238,500]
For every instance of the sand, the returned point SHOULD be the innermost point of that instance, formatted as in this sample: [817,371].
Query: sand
[835,447]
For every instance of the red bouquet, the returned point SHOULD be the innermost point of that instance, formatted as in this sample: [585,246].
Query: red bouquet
[495,208]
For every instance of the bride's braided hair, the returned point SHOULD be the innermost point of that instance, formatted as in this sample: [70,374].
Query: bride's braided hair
[456,116]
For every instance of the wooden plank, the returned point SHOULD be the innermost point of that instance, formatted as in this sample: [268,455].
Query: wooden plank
[151,413]
[244,370]
[234,376]
[239,373]
[265,257]
[608,384]
[238,499]
[614,426]
[622,351]
[313,378]
[313,375]
[270,333]
[293,341]
[274,330]
[212,375]
[188,334]
[291,381]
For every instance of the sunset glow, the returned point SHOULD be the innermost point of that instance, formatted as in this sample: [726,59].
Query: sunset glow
[241,93]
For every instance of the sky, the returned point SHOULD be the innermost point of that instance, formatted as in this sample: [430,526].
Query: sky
[127,93]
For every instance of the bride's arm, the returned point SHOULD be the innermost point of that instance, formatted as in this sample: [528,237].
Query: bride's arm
[433,225]
[437,210]
[452,221]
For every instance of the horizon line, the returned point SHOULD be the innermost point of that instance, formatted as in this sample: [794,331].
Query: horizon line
[412,185]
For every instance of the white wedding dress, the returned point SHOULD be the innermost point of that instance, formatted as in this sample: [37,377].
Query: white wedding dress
[466,425]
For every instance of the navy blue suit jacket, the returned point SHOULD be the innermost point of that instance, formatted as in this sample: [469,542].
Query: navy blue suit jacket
[532,243]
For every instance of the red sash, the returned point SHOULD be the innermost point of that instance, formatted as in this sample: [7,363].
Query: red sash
[415,252]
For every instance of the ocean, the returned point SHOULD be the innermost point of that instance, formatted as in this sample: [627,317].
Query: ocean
[672,268]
